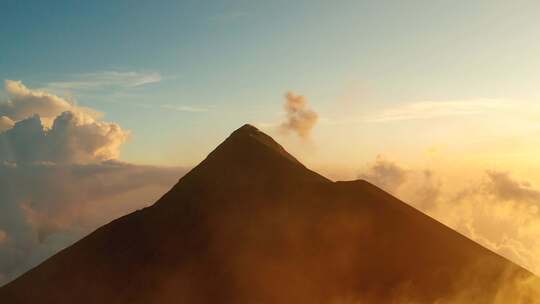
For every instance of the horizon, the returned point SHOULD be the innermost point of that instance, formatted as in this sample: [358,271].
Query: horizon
[104,106]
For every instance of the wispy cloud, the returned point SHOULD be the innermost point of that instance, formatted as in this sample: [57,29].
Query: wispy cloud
[183,108]
[437,109]
[105,79]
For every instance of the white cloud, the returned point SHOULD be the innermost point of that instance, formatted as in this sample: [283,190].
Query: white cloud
[72,135]
[23,103]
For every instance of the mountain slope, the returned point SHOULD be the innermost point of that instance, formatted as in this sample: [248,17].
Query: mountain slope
[251,224]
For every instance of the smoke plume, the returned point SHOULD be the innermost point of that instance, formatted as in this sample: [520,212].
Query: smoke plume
[300,117]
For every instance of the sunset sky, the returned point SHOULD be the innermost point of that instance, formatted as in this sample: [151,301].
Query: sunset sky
[439,96]
[180,75]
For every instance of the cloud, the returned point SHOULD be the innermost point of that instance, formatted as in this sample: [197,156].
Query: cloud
[24,102]
[75,135]
[505,187]
[70,140]
[385,174]
[46,206]
[106,79]
[300,118]
[437,109]
[428,192]
[491,213]
[422,187]
[60,179]
[498,210]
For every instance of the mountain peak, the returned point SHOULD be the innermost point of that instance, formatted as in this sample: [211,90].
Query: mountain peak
[248,135]
[247,129]
[248,157]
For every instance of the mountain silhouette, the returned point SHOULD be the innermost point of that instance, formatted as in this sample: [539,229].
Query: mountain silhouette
[251,224]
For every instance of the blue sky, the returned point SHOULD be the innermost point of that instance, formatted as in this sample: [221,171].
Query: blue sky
[207,67]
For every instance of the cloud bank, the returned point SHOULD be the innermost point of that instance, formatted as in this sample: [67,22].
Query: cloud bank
[498,210]
[300,117]
[46,207]
[59,177]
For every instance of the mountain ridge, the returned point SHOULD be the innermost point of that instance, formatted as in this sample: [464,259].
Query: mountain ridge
[251,224]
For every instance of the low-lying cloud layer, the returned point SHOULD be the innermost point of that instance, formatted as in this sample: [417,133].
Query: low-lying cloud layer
[498,210]
[47,206]
[59,179]
[300,117]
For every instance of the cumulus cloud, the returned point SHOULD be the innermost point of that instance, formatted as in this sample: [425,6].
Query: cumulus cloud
[498,210]
[75,135]
[59,177]
[24,102]
[300,118]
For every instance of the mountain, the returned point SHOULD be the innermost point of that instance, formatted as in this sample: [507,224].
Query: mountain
[251,224]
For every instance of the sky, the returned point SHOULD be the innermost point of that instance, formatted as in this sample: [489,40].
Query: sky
[181,75]
[428,95]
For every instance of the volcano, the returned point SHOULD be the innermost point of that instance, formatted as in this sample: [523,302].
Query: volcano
[251,224]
